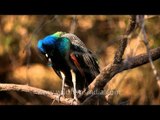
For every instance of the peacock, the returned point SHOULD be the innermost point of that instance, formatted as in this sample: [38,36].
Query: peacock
[72,61]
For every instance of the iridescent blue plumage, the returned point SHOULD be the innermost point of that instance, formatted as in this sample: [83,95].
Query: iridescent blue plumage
[52,42]
[40,47]
[70,59]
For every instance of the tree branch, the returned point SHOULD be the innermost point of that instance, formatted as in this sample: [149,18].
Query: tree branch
[37,91]
[112,69]
[132,62]
[123,42]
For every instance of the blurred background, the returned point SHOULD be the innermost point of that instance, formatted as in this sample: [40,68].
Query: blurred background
[21,63]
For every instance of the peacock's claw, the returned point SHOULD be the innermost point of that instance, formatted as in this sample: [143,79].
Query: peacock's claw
[74,100]
[57,99]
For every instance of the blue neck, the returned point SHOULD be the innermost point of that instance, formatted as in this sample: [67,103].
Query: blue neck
[64,45]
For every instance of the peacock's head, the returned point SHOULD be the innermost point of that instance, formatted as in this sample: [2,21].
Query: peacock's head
[47,45]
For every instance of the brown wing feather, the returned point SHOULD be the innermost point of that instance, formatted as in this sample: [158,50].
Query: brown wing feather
[84,56]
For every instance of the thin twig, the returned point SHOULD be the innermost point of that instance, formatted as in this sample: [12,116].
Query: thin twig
[28,45]
[142,25]
[73,24]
